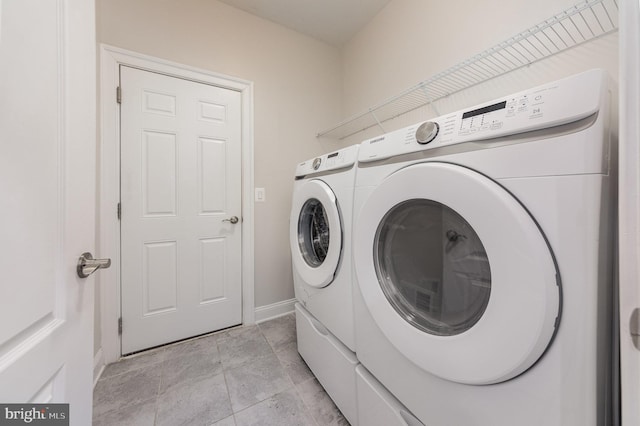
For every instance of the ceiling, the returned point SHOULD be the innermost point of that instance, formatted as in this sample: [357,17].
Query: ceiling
[332,21]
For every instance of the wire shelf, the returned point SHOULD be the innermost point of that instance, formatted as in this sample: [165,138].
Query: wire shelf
[583,22]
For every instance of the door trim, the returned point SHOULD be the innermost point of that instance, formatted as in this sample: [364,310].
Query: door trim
[109,180]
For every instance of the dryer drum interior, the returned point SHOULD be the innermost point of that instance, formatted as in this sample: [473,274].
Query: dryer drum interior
[313,232]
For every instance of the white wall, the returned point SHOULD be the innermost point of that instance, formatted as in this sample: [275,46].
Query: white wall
[297,90]
[412,40]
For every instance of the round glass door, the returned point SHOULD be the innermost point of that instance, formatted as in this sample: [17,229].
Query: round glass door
[432,267]
[455,273]
[315,233]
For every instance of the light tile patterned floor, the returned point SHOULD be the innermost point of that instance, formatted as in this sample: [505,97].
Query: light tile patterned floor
[239,377]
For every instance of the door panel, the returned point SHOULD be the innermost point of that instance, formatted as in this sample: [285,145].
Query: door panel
[47,182]
[159,282]
[214,271]
[212,187]
[159,173]
[180,179]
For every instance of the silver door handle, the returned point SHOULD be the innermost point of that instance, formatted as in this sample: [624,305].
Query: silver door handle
[232,219]
[87,265]
[634,327]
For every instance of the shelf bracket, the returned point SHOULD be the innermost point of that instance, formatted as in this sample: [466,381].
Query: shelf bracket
[423,86]
[373,114]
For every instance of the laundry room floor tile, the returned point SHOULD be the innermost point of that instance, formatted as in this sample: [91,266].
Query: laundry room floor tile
[322,408]
[206,344]
[135,362]
[293,364]
[241,346]
[229,421]
[197,403]
[126,389]
[279,332]
[256,381]
[239,377]
[135,415]
[283,409]
[189,367]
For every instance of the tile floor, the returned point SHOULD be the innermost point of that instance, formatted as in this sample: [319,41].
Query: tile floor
[243,376]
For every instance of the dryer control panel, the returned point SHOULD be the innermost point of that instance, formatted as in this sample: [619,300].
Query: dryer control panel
[546,106]
[343,158]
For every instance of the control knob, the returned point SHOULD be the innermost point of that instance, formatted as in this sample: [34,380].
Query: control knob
[427,132]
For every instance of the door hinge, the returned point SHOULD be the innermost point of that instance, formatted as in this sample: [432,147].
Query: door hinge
[118,95]
[119,211]
[119,326]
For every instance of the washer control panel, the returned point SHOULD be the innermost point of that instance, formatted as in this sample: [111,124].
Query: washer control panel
[335,160]
[546,106]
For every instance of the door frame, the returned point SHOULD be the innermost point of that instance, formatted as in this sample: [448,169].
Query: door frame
[108,186]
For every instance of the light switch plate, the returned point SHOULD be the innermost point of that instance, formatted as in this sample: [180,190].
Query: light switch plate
[261,195]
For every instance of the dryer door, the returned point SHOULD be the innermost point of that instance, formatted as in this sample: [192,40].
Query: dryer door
[456,273]
[315,233]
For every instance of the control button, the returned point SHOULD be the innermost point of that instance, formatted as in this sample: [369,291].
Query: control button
[427,132]
[316,163]
[537,98]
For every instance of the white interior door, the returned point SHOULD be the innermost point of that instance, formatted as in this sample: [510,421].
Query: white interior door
[180,194]
[47,214]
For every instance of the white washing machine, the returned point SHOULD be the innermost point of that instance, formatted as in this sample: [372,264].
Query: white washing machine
[320,238]
[483,260]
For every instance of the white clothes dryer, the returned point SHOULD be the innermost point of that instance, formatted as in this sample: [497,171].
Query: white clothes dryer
[483,260]
[320,239]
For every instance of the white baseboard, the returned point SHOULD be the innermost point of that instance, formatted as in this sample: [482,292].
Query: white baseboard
[98,366]
[274,310]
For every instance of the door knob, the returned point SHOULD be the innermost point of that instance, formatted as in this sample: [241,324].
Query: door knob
[87,265]
[232,219]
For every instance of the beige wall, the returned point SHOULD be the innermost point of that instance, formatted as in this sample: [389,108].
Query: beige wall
[297,90]
[412,40]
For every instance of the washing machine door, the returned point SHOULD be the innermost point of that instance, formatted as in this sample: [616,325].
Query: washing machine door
[315,233]
[456,273]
